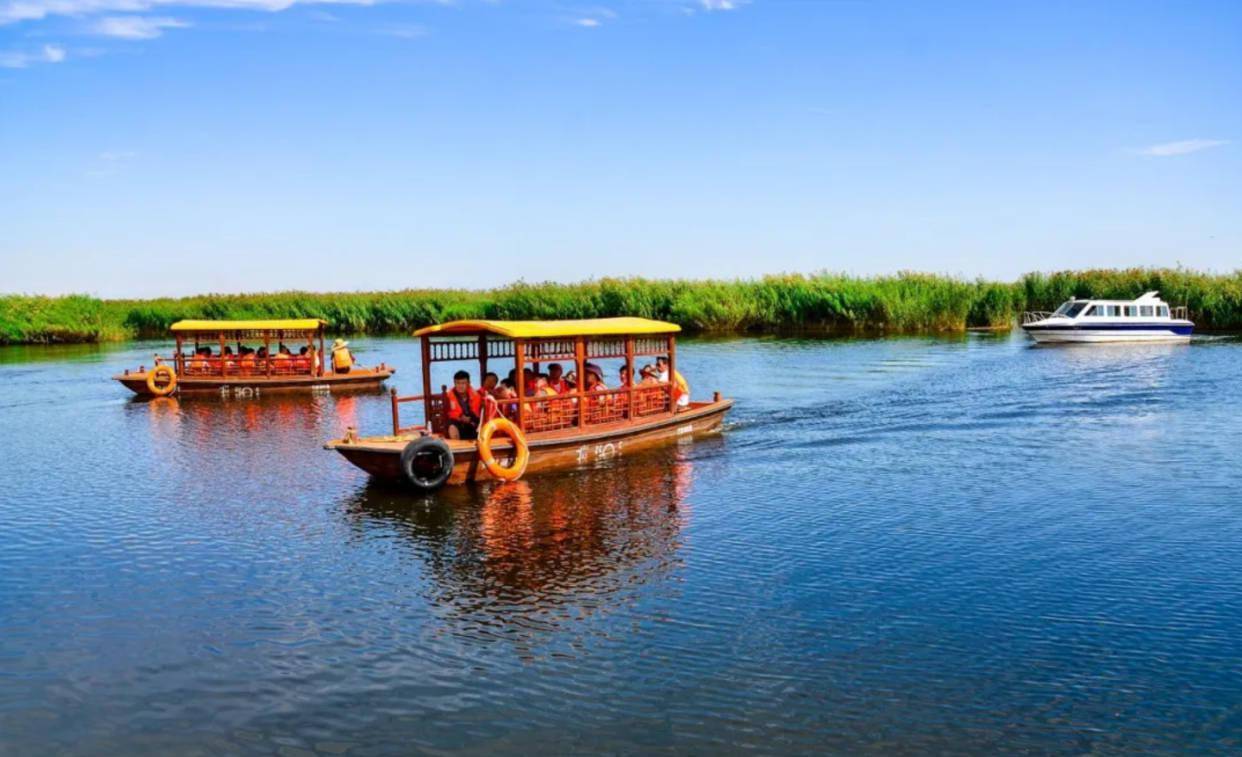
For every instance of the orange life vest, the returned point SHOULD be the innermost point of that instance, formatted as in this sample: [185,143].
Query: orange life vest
[342,359]
[680,387]
[455,411]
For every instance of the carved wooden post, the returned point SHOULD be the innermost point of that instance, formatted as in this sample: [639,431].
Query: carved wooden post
[519,352]
[629,373]
[426,346]
[580,362]
[672,372]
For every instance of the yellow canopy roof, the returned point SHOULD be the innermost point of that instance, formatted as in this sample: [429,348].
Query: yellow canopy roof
[549,329]
[293,324]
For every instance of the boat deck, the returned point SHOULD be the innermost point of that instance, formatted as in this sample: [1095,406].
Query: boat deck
[567,448]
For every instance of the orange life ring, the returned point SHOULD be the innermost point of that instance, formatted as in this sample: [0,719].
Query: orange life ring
[521,452]
[170,380]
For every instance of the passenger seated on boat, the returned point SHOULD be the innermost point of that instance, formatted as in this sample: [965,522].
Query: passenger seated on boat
[556,380]
[342,358]
[528,382]
[247,361]
[199,363]
[301,361]
[464,408]
[226,358]
[648,395]
[490,382]
[624,379]
[681,390]
[595,378]
[281,360]
[595,383]
[506,391]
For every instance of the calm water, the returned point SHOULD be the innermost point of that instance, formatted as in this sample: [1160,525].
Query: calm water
[899,545]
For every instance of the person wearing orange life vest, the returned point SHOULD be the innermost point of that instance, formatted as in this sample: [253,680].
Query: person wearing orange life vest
[342,358]
[465,407]
[681,389]
[198,364]
[557,381]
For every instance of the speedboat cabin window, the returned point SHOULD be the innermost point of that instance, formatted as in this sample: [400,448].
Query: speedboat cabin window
[1096,310]
[1164,311]
[1131,311]
[1146,311]
[1074,309]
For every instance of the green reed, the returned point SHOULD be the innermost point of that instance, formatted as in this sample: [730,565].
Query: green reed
[825,302]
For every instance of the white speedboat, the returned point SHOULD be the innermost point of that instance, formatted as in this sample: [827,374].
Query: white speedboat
[1147,319]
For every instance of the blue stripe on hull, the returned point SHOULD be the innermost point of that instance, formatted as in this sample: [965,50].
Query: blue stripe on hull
[1179,330]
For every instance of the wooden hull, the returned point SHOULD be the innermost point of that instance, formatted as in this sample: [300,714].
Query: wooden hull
[249,386]
[381,456]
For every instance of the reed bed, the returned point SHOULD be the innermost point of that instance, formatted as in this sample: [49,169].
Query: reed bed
[825,302]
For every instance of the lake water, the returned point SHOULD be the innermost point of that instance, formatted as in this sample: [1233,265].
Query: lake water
[907,545]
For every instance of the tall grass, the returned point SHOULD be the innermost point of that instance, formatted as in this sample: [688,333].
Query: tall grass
[903,303]
[41,320]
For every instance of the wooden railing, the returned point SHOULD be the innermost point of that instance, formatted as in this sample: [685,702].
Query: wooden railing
[551,413]
[216,365]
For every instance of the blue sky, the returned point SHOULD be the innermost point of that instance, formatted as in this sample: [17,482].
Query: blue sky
[155,147]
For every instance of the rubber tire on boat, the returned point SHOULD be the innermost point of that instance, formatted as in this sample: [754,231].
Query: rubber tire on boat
[170,378]
[420,448]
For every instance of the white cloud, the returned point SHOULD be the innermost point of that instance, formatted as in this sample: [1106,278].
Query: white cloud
[1184,147]
[404,31]
[721,5]
[19,59]
[135,27]
[12,11]
[593,18]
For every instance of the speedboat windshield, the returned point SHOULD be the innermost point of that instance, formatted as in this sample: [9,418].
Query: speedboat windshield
[1070,308]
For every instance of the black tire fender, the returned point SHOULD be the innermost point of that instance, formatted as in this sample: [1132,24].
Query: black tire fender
[427,462]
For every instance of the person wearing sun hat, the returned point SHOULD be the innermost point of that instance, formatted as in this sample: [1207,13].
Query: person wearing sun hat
[342,358]
[591,369]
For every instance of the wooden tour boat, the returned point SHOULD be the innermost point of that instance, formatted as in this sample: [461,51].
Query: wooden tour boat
[205,361]
[580,427]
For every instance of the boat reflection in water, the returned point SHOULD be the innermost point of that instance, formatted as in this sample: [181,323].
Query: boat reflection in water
[520,559]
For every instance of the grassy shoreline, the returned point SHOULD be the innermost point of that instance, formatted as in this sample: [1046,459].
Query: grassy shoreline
[834,303]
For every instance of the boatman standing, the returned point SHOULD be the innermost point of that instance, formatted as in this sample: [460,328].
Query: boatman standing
[681,389]
[342,358]
[464,406]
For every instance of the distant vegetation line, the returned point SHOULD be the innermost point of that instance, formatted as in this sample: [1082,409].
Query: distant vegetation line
[901,303]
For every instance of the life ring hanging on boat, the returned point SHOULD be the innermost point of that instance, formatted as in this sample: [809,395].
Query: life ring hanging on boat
[521,451]
[162,380]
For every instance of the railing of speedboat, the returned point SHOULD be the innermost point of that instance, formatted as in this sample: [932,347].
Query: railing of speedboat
[1179,313]
[1032,316]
